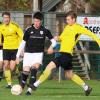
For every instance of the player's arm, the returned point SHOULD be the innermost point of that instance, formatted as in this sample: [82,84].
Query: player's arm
[53,42]
[1,37]
[19,33]
[22,46]
[51,38]
[85,31]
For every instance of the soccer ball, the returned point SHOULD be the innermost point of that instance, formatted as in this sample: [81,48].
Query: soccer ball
[16,89]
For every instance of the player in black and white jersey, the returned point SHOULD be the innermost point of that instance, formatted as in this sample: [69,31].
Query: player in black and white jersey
[33,43]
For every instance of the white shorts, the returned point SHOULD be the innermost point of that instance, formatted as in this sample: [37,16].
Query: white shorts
[32,58]
[1,55]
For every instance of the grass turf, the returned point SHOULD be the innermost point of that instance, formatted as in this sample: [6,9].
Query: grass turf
[52,90]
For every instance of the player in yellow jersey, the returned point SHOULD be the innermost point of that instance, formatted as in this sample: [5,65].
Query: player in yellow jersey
[68,39]
[13,35]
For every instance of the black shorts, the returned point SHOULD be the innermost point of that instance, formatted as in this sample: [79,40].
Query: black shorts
[64,60]
[9,54]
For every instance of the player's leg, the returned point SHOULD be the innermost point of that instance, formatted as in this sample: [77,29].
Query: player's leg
[11,56]
[12,65]
[23,76]
[79,81]
[7,73]
[26,69]
[67,65]
[33,72]
[35,60]
[53,64]
[45,74]
[33,76]
[1,70]
[6,66]
[12,59]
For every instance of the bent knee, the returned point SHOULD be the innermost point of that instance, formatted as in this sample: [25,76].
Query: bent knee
[51,65]
[6,65]
[26,68]
[36,66]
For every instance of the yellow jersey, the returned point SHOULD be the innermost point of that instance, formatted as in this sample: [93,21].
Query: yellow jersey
[1,42]
[71,35]
[1,39]
[12,34]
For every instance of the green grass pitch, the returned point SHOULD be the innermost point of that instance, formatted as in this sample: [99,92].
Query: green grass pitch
[52,90]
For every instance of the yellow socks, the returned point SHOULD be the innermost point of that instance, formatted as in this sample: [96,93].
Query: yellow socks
[78,80]
[8,76]
[43,77]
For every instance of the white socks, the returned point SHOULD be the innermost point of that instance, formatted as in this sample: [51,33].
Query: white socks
[85,87]
[37,83]
[30,90]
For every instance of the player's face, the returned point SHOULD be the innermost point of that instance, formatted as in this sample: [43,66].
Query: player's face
[37,23]
[70,20]
[6,19]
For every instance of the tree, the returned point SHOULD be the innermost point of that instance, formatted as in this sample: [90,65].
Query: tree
[16,5]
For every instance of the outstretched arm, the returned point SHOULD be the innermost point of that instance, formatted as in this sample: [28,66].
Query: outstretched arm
[85,31]
[53,44]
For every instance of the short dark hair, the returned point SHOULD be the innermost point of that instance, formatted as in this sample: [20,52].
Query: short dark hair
[72,14]
[38,15]
[6,13]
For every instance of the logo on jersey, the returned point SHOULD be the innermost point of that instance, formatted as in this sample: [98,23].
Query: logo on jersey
[10,30]
[41,32]
[32,32]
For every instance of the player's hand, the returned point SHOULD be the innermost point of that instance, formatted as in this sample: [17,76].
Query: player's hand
[56,37]
[17,61]
[50,50]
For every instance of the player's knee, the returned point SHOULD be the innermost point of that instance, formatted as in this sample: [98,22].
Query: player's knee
[25,72]
[36,66]
[12,68]
[1,65]
[51,66]
[69,76]
[6,65]
[12,65]
[26,69]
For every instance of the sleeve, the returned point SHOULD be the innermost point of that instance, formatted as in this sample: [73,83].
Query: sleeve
[21,47]
[48,34]
[20,33]
[85,31]
[53,42]
[26,35]
[1,36]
